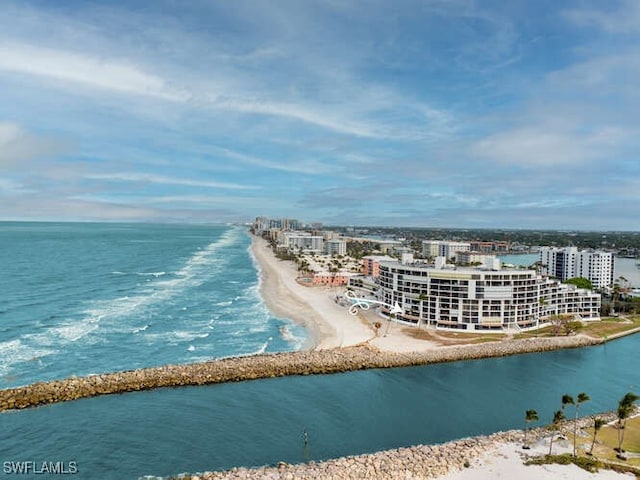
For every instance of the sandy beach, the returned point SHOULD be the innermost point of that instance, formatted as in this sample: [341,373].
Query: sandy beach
[329,324]
[507,462]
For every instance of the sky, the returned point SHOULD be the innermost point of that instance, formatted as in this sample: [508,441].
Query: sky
[433,113]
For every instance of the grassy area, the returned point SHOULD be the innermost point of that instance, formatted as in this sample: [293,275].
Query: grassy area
[453,338]
[604,455]
[612,325]
[589,464]
[608,440]
[604,328]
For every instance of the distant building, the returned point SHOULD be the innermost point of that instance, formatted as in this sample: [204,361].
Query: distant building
[469,258]
[263,224]
[335,247]
[332,279]
[386,245]
[490,247]
[302,241]
[444,248]
[371,264]
[568,262]
[480,299]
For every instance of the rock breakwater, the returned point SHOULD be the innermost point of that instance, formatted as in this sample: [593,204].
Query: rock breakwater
[237,369]
[419,462]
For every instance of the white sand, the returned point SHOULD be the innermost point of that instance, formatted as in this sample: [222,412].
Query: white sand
[507,463]
[315,307]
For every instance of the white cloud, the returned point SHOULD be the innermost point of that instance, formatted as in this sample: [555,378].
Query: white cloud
[547,145]
[18,145]
[162,180]
[625,19]
[96,72]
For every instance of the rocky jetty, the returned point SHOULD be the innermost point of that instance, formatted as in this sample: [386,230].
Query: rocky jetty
[419,462]
[237,369]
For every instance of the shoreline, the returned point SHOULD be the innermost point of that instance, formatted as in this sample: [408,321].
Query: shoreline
[328,324]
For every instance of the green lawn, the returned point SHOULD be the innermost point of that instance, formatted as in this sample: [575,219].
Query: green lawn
[608,440]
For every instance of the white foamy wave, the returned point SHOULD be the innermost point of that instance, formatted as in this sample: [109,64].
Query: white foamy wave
[190,275]
[191,348]
[176,336]
[151,274]
[140,329]
[286,334]
[264,347]
[16,351]
[223,304]
[73,332]
[258,329]
[141,274]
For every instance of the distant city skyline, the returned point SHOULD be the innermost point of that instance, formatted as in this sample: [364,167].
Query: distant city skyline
[453,114]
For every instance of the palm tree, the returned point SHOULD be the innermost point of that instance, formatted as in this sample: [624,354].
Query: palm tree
[529,416]
[421,298]
[558,416]
[625,408]
[615,296]
[598,423]
[582,397]
[567,400]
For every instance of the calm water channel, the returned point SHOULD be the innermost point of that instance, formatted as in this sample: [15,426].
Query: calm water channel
[168,431]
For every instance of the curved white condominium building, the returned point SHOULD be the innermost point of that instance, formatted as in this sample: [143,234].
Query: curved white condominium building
[480,299]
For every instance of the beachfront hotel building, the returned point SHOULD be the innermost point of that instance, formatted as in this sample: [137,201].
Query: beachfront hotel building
[568,262]
[301,241]
[473,299]
[444,248]
[371,264]
[335,247]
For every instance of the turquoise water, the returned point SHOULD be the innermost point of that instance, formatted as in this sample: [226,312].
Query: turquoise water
[87,298]
[520,260]
[169,431]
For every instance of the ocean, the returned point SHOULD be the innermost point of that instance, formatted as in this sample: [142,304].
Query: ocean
[84,298]
[77,299]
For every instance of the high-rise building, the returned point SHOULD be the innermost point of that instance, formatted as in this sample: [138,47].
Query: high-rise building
[444,248]
[481,299]
[335,247]
[568,262]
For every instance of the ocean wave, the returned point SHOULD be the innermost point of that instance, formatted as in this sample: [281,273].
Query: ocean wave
[150,274]
[225,303]
[72,331]
[16,351]
[286,334]
[140,329]
[263,348]
[176,336]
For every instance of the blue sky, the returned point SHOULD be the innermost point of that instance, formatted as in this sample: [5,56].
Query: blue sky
[456,113]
